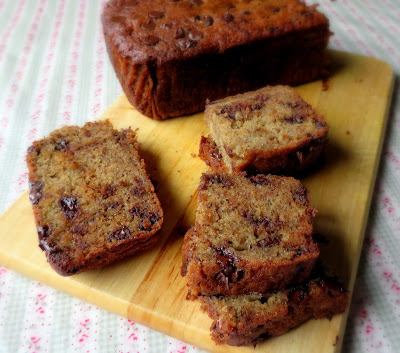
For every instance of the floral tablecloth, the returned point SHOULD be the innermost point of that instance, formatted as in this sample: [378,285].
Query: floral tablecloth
[54,70]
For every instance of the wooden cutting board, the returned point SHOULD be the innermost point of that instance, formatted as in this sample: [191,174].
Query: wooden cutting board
[148,288]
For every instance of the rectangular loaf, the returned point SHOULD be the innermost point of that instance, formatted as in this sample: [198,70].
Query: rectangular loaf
[170,56]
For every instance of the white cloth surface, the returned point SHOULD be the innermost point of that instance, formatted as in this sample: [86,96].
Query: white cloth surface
[54,70]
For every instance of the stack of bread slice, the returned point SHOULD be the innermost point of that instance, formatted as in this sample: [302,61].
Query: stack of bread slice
[250,257]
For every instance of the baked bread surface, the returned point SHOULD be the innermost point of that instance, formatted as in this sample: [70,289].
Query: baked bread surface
[170,56]
[92,199]
[250,235]
[271,130]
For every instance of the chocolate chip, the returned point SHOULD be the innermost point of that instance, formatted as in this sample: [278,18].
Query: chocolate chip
[148,25]
[138,191]
[297,253]
[207,20]
[319,124]
[298,294]
[197,2]
[112,205]
[300,193]
[260,179]
[275,9]
[293,105]
[82,245]
[108,190]
[228,151]
[257,106]
[45,246]
[151,40]
[230,111]
[263,300]
[215,179]
[246,12]
[332,284]
[230,6]
[228,17]
[31,149]
[79,228]
[35,191]
[221,278]
[195,34]
[43,231]
[156,14]
[268,242]
[69,206]
[61,145]
[229,273]
[147,218]
[186,43]
[180,33]
[120,234]
[295,119]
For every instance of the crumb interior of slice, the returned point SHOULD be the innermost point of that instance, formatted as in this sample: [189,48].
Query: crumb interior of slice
[263,218]
[269,119]
[93,189]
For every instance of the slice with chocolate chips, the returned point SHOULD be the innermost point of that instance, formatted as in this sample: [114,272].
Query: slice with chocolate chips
[271,130]
[249,319]
[250,235]
[92,199]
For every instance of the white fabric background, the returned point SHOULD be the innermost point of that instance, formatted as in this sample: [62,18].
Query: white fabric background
[54,70]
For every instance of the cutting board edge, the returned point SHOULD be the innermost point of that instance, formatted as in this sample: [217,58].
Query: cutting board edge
[378,158]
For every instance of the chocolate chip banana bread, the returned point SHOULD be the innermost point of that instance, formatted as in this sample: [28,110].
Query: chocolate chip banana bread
[249,319]
[92,199]
[250,235]
[172,55]
[271,130]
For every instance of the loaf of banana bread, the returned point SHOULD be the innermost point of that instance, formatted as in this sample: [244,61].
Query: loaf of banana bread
[92,199]
[172,55]
[271,130]
[250,235]
[249,319]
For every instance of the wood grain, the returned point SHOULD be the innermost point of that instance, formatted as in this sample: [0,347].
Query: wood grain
[148,288]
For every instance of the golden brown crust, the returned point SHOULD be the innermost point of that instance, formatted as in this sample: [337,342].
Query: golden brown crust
[171,56]
[90,209]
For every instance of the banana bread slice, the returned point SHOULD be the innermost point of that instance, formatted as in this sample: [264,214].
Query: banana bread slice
[250,235]
[249,319]
[271,130]
[92,199]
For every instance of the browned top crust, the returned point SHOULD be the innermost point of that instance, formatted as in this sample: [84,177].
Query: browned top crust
[168,30]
